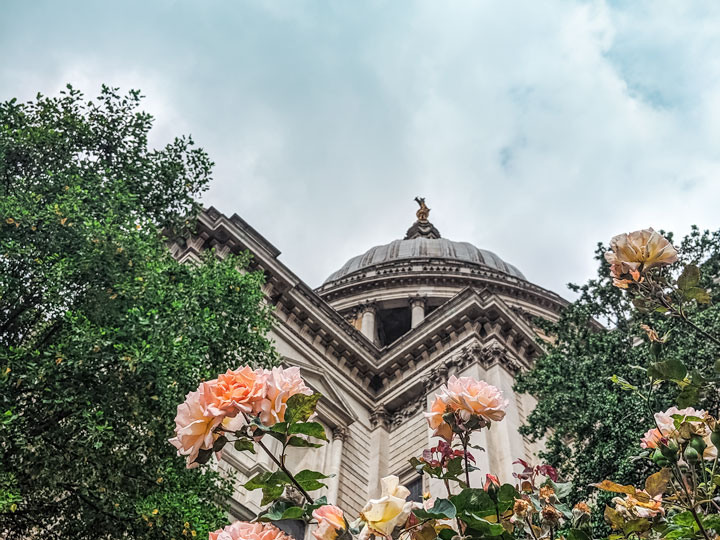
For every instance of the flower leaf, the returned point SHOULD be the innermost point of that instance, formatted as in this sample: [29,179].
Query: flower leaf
[657,483]
[608,485]
[300,407]
[689,278]
[442,509]
[312,429]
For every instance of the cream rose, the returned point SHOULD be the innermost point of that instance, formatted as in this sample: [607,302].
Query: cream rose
[242,530]
[644,248]
[382,515]
[281,384]
[330,520]
[195,424]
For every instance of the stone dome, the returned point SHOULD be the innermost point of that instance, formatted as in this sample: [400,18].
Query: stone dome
[422,247]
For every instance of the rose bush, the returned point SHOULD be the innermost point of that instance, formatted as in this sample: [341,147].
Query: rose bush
[678,501]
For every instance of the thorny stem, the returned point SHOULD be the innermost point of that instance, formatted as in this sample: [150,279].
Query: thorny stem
[284,469]
[691,503]
[527,519]
[465,440]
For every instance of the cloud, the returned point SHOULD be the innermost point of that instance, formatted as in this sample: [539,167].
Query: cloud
[534,129]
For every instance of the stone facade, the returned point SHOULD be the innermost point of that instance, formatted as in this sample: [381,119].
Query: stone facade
[378,338]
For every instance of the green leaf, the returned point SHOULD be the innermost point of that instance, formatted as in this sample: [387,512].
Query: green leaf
[309,479]
[689,278]
[300,407]
[442,509]
[312,429]
[614,518]
[244,445]
[668,370]
[698,294]
[220,442]
[473,500]
[282,510]
[302,443]
[577,534]
[258,481]
[717,366]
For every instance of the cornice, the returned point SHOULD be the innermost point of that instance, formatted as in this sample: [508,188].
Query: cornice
[429,271]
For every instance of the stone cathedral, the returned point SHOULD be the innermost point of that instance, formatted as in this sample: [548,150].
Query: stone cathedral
[378,338]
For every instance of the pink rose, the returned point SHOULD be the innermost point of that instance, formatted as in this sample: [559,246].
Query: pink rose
[436,421]
[330,520]
[468,396]
[195,424]
[242,530]
[281,384]
[238,391]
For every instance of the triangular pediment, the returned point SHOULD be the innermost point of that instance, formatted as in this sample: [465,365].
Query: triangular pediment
[472,310]
[333,407]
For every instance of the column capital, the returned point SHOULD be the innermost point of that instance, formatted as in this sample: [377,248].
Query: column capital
[368,307]
[339,433]
[379,417]
[418,301]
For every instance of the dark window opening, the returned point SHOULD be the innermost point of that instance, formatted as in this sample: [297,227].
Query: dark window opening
[415,487]
[293,527]
[392,323]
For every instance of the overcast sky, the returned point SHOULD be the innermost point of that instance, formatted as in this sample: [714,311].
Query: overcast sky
[534,129]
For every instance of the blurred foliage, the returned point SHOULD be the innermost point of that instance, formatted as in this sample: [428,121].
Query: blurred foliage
[592,428]
[102,332]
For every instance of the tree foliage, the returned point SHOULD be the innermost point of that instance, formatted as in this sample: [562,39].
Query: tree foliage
[592,427]
[102,331]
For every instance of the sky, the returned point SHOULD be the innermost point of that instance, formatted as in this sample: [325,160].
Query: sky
[533,129]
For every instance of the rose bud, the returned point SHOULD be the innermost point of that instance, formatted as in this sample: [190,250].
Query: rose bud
[715,439]
[698,444]
[659,459]
[669,449]
[691,455]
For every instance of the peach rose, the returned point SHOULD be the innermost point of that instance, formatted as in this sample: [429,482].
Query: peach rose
[382,515]
[651,439]
[281,384]
[330,520]
[195,424]
[468,396]
[632,508]
[666,425]
[435,419]
[238,391]
[242,530]
[637,251]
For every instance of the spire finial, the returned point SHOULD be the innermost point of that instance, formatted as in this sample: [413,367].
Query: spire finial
[423,212]
[422,228]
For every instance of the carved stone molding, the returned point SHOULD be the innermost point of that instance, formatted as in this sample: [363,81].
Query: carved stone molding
[380,417]
[408,411]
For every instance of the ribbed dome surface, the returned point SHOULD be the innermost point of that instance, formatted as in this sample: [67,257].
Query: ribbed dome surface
[425,248]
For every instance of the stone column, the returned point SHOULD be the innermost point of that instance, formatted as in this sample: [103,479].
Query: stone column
[380,441]
[338,435]
[368,326]
[417,313]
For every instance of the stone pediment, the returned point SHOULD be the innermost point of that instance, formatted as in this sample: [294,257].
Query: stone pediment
[470,312]
[334,407]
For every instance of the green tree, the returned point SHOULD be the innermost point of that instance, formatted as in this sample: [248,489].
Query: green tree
[592,427]
[102,332]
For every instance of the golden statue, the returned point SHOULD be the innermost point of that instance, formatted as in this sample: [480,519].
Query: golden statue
[423,212]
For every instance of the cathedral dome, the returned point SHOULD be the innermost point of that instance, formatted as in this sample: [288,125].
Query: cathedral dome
[422,247]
